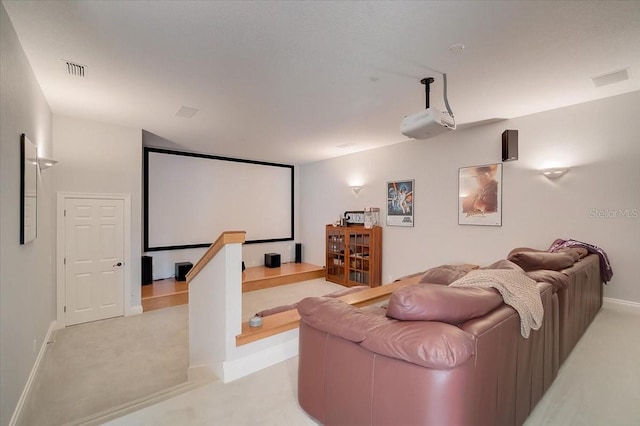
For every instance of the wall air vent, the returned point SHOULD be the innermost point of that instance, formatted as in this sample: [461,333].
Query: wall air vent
[75,69]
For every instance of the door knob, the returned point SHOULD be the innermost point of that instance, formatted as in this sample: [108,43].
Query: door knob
[117,264]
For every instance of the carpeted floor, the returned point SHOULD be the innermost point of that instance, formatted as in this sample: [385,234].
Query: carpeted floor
[91,368]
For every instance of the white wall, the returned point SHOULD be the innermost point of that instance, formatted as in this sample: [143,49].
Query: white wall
[100,158]
[27,287]
[597,139]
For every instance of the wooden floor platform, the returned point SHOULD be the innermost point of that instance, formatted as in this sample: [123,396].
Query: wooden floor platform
[169,292]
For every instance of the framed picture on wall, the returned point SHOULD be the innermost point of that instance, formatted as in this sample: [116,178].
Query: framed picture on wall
[400,203]
[480,195]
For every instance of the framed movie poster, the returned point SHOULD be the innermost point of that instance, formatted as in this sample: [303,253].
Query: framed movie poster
[480,195]
[400,203]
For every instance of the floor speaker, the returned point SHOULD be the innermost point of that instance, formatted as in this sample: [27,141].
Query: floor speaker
[147,270]
[298,253]
[509,145]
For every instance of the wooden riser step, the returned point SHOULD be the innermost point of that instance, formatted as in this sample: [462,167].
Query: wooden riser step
[169,292]
[259,277]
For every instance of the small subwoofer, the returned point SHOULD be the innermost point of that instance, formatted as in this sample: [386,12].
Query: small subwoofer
[182,269]
[272,260]
[509,145]
[298,253]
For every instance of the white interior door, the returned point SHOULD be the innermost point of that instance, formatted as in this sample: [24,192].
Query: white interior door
[94,258]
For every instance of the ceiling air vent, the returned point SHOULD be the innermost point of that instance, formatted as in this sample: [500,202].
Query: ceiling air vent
[610,78]
[186,112]
[75,69]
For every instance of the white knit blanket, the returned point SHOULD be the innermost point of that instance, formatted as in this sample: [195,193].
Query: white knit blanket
[517,290]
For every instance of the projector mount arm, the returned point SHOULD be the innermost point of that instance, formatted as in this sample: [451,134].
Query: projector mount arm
[427,82]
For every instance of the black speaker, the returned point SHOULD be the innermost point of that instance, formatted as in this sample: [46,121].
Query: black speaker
[272,260]
[298,253]
[147,270]
[509,145]
[182,269]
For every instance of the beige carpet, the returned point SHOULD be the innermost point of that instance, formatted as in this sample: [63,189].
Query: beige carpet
[93,367]
[89,369]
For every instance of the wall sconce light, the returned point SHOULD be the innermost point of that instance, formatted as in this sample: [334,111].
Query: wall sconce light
[356,189]
[45,163]
[554,173]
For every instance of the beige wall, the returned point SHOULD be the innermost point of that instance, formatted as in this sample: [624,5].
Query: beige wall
[597,139]
[27,287]
[98,158]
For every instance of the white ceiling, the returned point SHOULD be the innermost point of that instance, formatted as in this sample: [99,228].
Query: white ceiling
[292,81]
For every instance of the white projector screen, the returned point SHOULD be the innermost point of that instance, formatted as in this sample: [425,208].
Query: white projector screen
[190,199]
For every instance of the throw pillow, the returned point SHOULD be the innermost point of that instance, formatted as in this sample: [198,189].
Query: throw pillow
[433,302]
[531,261]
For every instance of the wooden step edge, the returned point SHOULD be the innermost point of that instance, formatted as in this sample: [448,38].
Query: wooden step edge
[157,296]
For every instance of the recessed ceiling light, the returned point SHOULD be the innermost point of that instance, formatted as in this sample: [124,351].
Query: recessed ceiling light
[611,77]
[456,48]
[186,112]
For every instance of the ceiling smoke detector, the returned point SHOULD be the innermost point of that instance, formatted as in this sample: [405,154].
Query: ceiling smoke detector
[75,69]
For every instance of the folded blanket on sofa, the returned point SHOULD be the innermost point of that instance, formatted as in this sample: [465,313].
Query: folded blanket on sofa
[517,290]
[606,271]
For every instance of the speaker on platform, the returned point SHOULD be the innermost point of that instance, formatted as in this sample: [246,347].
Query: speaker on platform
[298,253]
[147,270]
[509,145]
[182,269]
[272,260]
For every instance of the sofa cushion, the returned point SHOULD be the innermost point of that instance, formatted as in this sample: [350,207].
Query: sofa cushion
[531,261]
[558,280]
[525,250]
[429,344]
[432,302]
[576,252]
[504,264]
[335,317]
[444,274]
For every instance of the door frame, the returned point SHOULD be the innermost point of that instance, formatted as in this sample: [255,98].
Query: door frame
[61,250]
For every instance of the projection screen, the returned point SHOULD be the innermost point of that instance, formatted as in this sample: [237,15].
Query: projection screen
[191,198]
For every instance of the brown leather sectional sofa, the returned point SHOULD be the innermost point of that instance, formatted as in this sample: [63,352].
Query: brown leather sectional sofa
[360,367]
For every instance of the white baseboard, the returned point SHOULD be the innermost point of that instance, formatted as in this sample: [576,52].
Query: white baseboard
[134,310]
[251,363]
[36,366]
[626,305]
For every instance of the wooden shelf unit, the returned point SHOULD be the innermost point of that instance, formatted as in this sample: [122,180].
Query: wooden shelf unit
[354,255]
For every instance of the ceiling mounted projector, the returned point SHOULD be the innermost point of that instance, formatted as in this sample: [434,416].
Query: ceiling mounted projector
[431,121]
